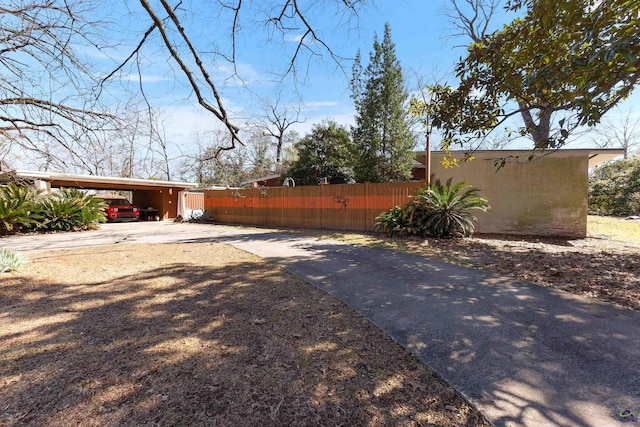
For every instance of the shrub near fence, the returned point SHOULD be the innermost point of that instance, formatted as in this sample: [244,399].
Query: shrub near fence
[332,207]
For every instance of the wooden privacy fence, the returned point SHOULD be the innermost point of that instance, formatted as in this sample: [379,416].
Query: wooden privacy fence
[333,207]
[194,200]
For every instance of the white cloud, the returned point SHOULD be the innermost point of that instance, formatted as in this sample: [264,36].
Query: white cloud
[182,122]
[242,75]
[294,38]
[314,105]
[145,78]
[345,119]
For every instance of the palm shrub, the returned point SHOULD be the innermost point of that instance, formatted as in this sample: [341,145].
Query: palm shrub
[92,208]
[18,209]
[444,210]
[439,211]
[71,210]
[10,261]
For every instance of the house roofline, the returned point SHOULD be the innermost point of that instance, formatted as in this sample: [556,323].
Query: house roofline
[73,180]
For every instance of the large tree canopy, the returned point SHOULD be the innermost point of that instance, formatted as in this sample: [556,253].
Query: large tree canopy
[560,66]
[326,152]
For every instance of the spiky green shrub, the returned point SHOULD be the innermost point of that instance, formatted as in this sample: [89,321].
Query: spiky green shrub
[71,210]
[93,208]
[439,211]
[11,261]
[444,210]
[18,209]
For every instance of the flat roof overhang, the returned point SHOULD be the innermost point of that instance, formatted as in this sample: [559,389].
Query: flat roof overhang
[95,182]
[595,155]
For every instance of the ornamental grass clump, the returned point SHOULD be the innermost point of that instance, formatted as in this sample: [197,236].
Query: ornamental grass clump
[438,211]
[11,261]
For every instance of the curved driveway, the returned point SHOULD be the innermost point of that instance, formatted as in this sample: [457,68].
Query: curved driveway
[523,354]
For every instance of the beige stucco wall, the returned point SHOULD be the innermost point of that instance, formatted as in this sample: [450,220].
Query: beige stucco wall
[544,197]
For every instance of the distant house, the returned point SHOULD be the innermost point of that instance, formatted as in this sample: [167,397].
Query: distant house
[273,180]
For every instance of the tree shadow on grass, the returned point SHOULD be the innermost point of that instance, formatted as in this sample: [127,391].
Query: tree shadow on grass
[182,343]
[523,353]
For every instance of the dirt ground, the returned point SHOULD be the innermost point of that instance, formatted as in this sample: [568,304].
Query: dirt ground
[601,269]
[199,334]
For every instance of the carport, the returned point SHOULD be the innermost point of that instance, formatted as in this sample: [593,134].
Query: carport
[166,196]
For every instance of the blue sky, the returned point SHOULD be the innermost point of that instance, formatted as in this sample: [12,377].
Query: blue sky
[420,30]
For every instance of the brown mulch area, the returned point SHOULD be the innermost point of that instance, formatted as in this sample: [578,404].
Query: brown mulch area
[603,269]
[199,334]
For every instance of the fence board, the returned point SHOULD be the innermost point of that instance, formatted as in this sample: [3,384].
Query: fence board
[334,207]
[194,201]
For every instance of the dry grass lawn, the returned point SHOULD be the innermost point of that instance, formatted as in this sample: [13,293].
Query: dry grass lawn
[199,334]
[204,334]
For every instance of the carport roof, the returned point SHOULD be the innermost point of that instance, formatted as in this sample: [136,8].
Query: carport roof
[102,182]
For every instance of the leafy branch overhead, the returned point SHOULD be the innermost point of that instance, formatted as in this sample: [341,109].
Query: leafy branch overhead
[558,67]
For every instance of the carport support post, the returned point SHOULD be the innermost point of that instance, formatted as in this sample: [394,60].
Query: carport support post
[180,207]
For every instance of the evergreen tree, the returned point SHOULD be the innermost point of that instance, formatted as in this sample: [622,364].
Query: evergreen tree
[382,137]
[325,153]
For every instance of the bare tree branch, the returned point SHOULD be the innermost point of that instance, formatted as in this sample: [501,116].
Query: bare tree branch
[275,121]
[46,102]
[54,97]
[622,133]
[218,112]
[471,18]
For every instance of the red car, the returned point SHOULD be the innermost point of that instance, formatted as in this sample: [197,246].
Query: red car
[120,209]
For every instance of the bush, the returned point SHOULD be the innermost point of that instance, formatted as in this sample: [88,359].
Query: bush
[393,222]
[614,188]
[439,211]
[443,211]
[19,209]
[10,261]
[23,209]
[71,210]
[92,208]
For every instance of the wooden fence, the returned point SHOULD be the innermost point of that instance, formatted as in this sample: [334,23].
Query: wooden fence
[193,200]
[333,207]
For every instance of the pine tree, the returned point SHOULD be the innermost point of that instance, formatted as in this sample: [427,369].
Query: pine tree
[382,138]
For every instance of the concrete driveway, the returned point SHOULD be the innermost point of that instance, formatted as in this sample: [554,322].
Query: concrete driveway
[523,354]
